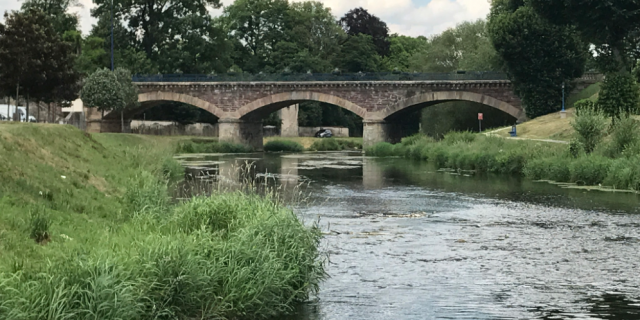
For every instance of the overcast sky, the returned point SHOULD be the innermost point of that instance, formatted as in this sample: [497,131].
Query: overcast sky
[408,17]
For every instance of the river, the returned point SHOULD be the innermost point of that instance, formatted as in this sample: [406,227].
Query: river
[406,241]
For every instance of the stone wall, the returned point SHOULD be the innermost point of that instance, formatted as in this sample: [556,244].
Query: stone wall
[167,128]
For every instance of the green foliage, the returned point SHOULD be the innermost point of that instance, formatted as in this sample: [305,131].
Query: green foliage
[132,253]
[212,147]
[459,137]
[335,144]
[620,95]
[35,60]
[129,90]
[554,54]
[611,26]
[626,134]
[590,126]
[359,21]
[103,91]
[57,11]
[465,47]
[283,146]
[358,54]
[589,170]
[381,149]
[585,104]
[40,223]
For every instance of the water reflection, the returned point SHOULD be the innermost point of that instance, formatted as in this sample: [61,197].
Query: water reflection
[409,242]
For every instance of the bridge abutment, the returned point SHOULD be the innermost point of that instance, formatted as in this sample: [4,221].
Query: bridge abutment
[241,131]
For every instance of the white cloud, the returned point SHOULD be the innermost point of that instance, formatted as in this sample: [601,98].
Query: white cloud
[409,17]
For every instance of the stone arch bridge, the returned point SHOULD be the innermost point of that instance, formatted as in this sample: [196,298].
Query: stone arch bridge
[241,106]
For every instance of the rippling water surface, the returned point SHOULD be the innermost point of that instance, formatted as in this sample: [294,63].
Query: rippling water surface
[406,241]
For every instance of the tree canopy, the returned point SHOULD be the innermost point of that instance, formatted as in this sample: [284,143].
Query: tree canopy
[359,21]
[538,56]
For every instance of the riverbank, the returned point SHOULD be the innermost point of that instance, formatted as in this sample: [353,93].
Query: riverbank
[87,228]
[607,167]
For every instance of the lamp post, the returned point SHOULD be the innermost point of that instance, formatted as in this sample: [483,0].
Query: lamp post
[111,35]
[563,113]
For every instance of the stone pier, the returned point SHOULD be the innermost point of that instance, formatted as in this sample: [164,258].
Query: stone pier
[241,131]
[289,118]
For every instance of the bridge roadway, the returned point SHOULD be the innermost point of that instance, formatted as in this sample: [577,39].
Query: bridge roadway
[382,104]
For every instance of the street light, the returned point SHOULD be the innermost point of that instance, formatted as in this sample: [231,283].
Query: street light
[563,96]
[111,35]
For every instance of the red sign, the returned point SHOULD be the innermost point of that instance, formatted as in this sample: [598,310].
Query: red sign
[480,116]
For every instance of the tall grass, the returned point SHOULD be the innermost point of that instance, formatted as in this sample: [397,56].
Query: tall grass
[139,255]
[212,147]
[592,159]
[283,146]
[333,144]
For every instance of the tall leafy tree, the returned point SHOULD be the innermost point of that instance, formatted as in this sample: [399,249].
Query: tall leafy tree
[255,27]
[358,54]
[58,13]
[613,27]
[360,21]
[402,49]
[34,59]
[465,47]
[538,56]
[160,29]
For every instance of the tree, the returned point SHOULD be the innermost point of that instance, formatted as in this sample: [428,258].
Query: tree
[620,95]
[358,54]
[402,49]
[35,59]
[255,27]
[166,32]
[538,56]
[58,13]
[93,56]
[103,91]
[465,47]
[612,27]
[359,21]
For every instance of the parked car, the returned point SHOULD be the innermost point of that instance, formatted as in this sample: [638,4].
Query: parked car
[324,133]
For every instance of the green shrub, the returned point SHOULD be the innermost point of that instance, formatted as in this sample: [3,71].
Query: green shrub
[589,170]
[625,134]
[585,104]
[382,149]
[172,169]
[39,222]
[624,174]
[619,95]
[590,127]
[415,139]
[212,147]
[334,144]
[283,146]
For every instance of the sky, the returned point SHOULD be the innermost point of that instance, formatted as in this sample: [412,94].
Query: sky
[406,17]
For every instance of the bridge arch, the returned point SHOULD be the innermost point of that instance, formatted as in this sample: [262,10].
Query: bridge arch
[266,105]
[444,96]
[150,97]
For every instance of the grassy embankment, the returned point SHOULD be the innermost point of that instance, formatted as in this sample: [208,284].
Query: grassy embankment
[613,165]
[87,230]
[551,126]
[318,144]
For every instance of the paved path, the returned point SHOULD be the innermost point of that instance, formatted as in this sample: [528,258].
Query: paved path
[493,133]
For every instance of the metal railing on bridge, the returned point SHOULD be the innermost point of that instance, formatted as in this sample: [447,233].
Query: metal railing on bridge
[294,77]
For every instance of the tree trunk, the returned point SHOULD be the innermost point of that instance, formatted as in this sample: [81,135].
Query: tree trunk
[122,121]
[8,107]
[48,112]
[38,111]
